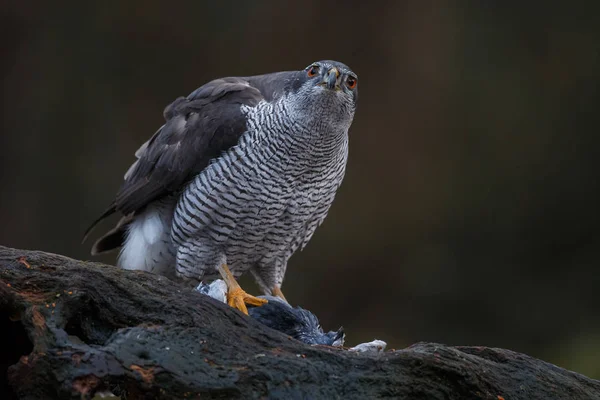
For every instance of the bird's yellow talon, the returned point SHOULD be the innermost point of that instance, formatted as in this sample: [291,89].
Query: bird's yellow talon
[238,298]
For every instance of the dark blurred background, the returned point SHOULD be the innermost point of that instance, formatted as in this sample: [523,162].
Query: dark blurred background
[469,212]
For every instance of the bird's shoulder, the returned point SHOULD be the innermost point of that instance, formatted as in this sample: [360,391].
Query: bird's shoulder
[197,129]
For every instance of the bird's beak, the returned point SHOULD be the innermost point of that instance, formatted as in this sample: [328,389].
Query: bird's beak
[331,77]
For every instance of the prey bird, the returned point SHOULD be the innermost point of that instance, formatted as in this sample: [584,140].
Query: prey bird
[237,179]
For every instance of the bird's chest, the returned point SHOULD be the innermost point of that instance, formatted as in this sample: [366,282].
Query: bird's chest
[260,202]
[287,198]
[293,195]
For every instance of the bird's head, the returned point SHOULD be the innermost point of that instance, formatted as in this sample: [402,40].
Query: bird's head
[327,91]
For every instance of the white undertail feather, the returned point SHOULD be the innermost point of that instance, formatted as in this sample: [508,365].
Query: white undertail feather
[148,242]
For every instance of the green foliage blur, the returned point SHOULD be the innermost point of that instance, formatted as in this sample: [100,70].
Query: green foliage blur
[469,212]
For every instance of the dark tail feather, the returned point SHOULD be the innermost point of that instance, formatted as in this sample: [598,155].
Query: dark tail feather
[105,214]
[113,239]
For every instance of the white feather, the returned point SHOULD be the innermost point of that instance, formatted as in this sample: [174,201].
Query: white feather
[376,346]
[152,227]
[147,243]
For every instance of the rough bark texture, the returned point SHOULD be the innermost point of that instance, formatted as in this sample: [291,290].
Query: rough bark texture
[77,328]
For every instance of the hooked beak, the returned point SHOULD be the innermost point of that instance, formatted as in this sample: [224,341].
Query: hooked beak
[331,77]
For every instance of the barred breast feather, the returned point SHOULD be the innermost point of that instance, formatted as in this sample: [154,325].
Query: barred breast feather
[262,199]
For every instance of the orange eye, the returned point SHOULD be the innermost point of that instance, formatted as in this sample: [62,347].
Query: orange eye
[351,82]
[313,71]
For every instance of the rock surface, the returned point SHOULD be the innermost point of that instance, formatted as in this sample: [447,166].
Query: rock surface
[78,328]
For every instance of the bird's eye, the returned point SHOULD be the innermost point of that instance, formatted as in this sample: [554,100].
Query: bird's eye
[351,82]
[312,70]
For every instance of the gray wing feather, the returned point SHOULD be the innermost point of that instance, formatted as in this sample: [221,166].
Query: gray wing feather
[139,153]
[198,128]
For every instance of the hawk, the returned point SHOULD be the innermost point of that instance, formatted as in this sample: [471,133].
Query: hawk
[237,179]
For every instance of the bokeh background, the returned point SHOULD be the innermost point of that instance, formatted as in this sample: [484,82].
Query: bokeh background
[469,212]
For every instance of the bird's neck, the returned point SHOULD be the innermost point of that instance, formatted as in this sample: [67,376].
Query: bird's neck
[308,139]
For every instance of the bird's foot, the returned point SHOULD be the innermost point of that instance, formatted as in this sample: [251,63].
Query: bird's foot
[238,298]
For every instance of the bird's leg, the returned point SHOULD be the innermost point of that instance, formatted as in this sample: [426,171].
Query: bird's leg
[277,292]
[236,296]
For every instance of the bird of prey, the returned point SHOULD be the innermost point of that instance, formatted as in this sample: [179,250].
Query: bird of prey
[237,179]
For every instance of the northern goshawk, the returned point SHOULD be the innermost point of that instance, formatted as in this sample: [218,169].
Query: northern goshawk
[238,178]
